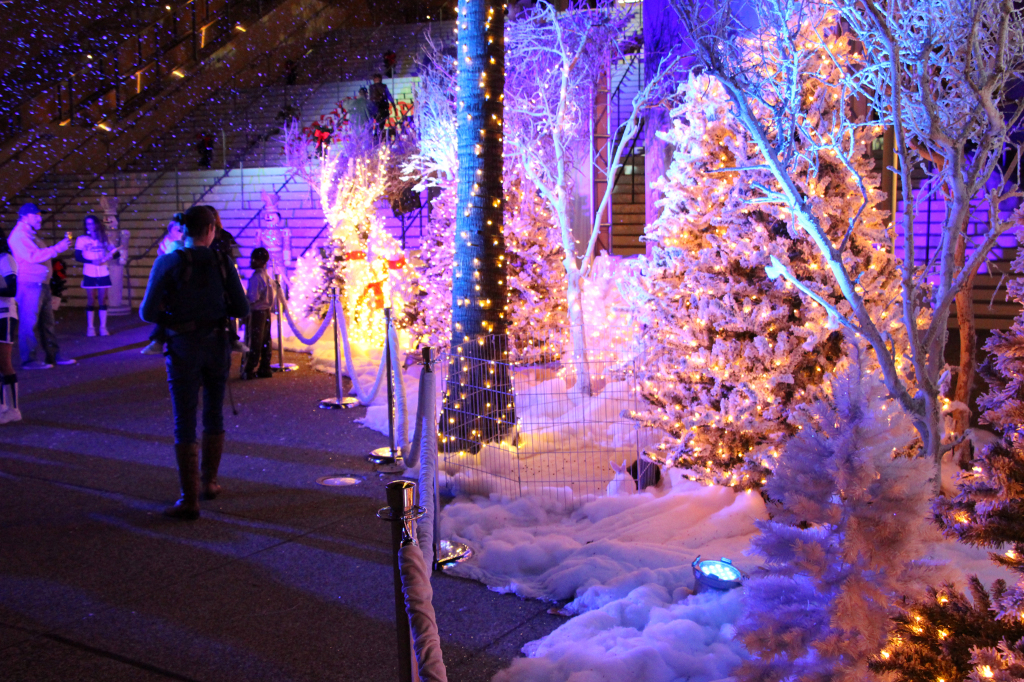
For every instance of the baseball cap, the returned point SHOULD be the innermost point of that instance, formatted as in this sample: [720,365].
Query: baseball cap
[28,209]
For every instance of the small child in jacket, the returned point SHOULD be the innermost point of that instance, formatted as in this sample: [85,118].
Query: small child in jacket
[262,300]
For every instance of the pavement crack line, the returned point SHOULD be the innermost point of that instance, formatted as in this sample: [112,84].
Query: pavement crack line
[103,653]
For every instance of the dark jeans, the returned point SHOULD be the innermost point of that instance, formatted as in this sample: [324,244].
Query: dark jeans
[257,337]
[194,360]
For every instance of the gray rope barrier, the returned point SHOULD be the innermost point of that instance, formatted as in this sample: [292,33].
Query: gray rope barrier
[420,610]
[319,332]
[424,449]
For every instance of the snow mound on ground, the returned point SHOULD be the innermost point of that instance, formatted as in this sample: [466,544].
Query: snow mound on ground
[607,547]
[646,635]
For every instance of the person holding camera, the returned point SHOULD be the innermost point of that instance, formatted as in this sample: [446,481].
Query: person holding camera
[35,304]
[192,296]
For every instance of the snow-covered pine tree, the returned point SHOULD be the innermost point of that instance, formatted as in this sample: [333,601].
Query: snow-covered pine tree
[844,541]
[730,353]
[539,329]
[937,638]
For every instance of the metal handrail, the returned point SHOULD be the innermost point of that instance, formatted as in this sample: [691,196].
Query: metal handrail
[313,240]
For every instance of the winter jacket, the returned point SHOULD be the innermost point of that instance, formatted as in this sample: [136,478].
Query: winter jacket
[188,286]
[260,291]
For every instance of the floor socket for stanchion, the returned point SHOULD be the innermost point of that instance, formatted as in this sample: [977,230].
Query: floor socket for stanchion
[346,403]
[339,480]
[450,553]
[385,461]
[286,367]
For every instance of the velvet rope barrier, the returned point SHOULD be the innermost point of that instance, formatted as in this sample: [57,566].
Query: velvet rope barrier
[364,398]
[295,330]
[420,609]
[425,449]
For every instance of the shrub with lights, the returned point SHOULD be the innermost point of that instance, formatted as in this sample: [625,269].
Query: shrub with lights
[729,352]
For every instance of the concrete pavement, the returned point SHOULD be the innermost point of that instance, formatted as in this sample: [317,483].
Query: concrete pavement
[281,579]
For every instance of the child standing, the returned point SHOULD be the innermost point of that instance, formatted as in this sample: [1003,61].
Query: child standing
[262,299]
[93,250]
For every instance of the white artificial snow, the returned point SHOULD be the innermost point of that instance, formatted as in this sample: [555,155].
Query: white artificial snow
[623,565]
[649,635]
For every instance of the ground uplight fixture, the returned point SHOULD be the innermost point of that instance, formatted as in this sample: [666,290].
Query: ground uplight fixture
[712,574]
[339,480]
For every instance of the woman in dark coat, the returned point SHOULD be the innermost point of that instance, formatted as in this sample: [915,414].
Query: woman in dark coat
[192,296]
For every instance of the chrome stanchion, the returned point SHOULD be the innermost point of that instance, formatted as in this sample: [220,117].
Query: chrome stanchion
[339,402]
[281,365]
[402,513]
[388,459]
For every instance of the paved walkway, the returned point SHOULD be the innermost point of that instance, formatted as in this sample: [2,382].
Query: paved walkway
[281,579]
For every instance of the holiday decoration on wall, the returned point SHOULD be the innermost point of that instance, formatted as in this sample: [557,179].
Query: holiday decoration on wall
[730,353]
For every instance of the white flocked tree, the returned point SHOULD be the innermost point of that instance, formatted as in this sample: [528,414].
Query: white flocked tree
[555,60]
[938,74]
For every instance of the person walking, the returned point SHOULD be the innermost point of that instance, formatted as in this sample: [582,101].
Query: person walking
[35,302]
[9,411]
[192,296]
[93,250]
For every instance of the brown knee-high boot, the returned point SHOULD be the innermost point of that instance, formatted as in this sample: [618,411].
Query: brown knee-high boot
[187,507]
[213,448]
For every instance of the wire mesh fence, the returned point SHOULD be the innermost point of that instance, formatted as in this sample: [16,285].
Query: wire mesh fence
[512,428]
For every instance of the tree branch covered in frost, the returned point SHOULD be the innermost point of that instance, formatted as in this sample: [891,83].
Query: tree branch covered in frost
[938,74]
[436,161]
[555,61]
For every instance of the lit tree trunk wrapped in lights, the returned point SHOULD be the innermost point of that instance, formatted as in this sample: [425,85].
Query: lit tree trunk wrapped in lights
[478,400]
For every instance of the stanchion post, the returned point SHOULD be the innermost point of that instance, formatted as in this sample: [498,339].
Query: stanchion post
[281,365]
[388,459]
[391,388]
[401,496]
[339,401]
